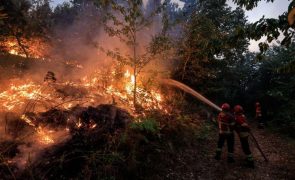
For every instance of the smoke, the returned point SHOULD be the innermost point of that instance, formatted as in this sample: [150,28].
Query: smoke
[30,142]
[33,146]
[76,38]
[80,41]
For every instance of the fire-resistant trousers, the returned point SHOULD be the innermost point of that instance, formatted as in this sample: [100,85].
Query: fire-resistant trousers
[245,145]
[230,142]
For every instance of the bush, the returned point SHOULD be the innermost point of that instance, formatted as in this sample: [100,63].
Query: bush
[148,125]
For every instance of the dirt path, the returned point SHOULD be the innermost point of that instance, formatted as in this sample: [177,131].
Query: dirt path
[200,164]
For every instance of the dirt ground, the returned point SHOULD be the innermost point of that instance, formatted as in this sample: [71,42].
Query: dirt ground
[199,162]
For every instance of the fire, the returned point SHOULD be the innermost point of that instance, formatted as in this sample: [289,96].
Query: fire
[27,120]
[79,124]
[18,96]
[36,96]
[127,74]
[93,126]
[44,136]
[14,52]
[28,96]
[35,47]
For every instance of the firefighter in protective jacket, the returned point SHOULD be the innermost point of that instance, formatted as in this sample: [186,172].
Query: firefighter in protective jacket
[258,115]
[242,128]
[226,127]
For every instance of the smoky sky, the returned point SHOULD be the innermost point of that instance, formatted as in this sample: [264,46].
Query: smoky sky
[269,10]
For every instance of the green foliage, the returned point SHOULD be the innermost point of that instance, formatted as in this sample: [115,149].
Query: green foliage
[109,158]
[249,4]
[269,27]
[148,125]
[212,47]
[204,131]
[272,83]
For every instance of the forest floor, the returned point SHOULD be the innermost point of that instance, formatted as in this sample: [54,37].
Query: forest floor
[199,162]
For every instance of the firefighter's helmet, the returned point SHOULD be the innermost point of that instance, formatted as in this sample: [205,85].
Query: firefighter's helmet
[225,107]
[238,109]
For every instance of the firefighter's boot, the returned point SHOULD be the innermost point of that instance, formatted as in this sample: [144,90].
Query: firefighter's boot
[250,161]
[230,158]
[218,155]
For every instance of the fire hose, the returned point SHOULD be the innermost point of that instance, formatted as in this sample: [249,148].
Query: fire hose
[257,145]
[208,102]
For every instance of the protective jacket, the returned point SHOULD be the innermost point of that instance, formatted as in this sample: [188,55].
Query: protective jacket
[241,125]
[258,111]
[225,123]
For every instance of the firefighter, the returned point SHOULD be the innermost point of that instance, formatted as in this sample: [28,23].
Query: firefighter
[225,126]
[243,129]
[258,115]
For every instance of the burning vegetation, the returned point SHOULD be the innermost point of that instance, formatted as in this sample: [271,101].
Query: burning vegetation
[90,90]
[83,86]
[34,48]
[41,115]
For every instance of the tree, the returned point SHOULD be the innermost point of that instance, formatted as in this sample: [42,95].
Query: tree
[25,19]
[189,7]
[212,46]
[270,27]
[125,20]
[273,86]
[16,21]
[40,19]
[2,14]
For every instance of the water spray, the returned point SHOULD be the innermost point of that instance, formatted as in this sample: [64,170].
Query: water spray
[189,90]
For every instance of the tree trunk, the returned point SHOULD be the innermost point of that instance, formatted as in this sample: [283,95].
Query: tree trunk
[134,71]
[21,46]
[184,67]
[183,75]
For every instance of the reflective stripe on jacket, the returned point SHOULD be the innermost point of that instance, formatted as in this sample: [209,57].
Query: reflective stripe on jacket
[258,111]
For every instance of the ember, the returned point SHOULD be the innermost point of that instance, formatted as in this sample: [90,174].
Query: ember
[44,136]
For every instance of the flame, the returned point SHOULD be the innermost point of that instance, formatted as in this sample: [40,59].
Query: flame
[27,120]
[44,136]
[132,79]
[35,47]
[17,95]
[20,94]
[127,74]
[79,123]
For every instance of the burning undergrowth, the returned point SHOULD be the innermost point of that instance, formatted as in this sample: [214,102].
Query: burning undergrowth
[36,134]
[57,128]
[30,96]
[38,118]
